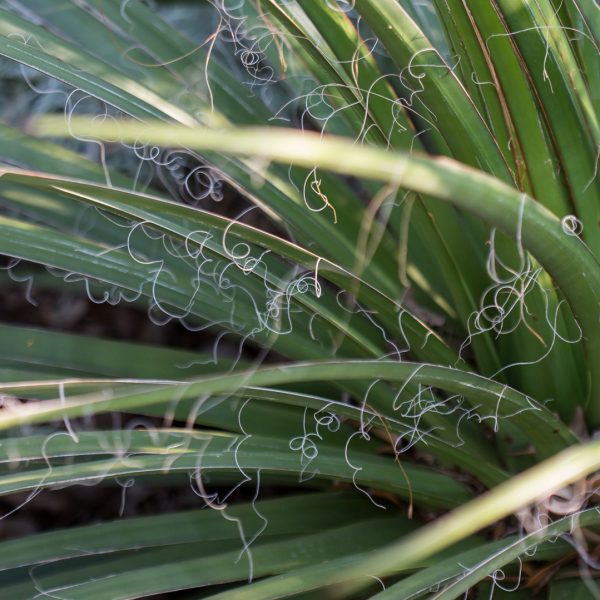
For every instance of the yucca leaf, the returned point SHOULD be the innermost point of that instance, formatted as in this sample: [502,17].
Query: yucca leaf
[63,71]
[584,18]
[282,517]
[143,453]
[442,571]
[478,76]
[493,400]
[442,100]
[465,290]
[411,313]
[275,193]
[22,150]
[176,569]
[508,86]
[84,356]
[565,101]
[545,478]
[187,224]
[462,572]
[537,483]
[443,229]
[538,230]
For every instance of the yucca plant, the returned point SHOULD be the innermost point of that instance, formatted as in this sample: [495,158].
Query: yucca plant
[380,221]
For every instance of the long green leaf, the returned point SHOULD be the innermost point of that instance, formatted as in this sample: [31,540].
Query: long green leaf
[538,230]
[172,569]
[143,453]
[530,486]
[185,223]
[491,400]
[281,517]
[488,558]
